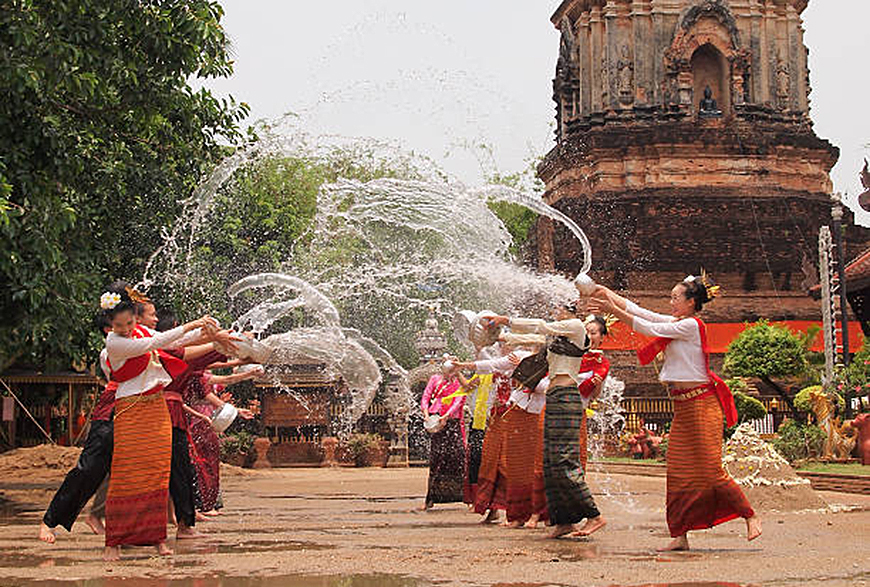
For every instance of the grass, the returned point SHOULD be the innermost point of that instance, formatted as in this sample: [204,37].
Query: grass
[839,468]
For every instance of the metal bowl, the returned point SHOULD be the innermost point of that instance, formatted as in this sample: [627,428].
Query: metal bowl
[433,423]
[223,417]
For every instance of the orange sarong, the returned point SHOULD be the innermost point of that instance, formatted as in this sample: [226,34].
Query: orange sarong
[700,493]
[507,467]
[136,504]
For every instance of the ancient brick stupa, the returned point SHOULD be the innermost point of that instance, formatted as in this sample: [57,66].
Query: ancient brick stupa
[684,140]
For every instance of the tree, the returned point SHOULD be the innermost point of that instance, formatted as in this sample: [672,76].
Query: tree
[100,137]
[769,353]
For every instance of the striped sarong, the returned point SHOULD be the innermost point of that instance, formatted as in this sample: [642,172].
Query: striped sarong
[446,464]
[700,493]
[507,469]
[568,497]
[539,496]
[139,483]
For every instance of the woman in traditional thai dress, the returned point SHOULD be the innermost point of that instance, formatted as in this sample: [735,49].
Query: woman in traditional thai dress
[506,477]
[569,499]
[700,494]
[447,447]
[202,398]
[139,484]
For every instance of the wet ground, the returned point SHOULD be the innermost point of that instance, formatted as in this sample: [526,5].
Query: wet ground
[361,528]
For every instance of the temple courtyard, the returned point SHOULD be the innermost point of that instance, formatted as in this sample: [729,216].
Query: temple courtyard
[362,528]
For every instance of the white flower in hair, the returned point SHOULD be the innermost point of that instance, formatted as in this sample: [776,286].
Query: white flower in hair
[690,278]
[109,300]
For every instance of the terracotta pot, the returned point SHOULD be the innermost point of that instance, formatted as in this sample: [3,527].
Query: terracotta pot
[261,446]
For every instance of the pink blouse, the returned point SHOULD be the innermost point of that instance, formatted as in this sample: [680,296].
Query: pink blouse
[438,388]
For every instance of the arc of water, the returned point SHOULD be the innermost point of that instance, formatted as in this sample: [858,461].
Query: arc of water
[323,309]
[537,205]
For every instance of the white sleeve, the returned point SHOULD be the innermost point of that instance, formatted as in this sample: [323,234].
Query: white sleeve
[524,339]
[187,339]
[570,328]
[647,315]
[685,329]
[120,348]
[104,365]
[499,365]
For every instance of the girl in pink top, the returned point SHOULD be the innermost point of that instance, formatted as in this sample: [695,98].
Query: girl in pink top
[447,448]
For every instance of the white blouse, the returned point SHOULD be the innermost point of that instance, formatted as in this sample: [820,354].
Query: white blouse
[531,402]
[120,348]
[573,329]
[684,359]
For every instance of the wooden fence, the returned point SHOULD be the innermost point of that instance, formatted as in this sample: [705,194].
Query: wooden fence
[657,413]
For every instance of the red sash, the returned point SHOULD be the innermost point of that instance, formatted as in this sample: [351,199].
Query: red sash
[716,384]
[135,366]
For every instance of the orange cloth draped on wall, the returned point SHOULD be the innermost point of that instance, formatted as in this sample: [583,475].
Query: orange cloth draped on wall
[700,494]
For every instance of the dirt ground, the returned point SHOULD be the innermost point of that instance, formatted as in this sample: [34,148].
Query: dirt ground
[361,527]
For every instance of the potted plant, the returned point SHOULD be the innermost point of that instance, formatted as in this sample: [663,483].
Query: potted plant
[236,448]
[365,449]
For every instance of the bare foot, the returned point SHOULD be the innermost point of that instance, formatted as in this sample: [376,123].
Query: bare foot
[512,525]
[592,525]
[46,534]
[561,530]
[211,513]
[200,517]
[95,524]
[163,550]
[112,553]
[678,543]
[490,518]
[185,532]
[427,506]
[532,523]
[753,528]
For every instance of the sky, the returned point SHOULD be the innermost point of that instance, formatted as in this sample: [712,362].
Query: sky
[469,82]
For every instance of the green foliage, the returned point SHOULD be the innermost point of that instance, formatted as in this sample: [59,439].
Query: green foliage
[519,221]
[238,443]
[360,444]
[766,351]
[100,137]
[798,442]
[748,408]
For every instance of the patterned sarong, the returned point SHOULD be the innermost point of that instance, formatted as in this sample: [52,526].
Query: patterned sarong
[446,464]
[700,492]
[568,497]
[139,483]
[474,454]
[539,496]
[205,454]
[507,469]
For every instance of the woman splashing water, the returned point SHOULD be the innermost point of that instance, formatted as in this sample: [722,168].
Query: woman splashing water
[700,494]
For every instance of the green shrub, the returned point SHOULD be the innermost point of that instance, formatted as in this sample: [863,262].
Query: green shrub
[798,442]
[237,443]
[663,449]
[361,444]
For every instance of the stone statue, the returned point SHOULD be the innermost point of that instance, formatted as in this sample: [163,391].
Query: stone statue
[626,76]
[783,83]
[708,107]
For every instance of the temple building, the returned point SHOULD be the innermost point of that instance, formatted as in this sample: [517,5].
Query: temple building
[684,141]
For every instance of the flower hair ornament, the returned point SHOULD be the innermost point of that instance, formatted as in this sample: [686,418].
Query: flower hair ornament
[109,300]
[137,297]
[713,291]
[609,319]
